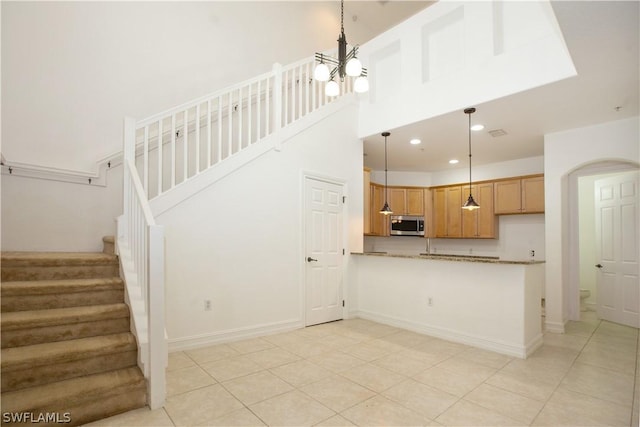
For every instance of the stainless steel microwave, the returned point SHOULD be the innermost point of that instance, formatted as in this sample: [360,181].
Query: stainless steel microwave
[406,225]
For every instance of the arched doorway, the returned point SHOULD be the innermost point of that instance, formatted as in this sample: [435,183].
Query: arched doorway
[582,231]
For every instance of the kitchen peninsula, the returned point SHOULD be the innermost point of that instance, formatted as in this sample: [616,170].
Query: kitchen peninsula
[485,302]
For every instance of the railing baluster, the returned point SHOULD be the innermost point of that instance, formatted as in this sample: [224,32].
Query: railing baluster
[249,127]
[230,142]
[197,169]
[145,161]
[185,143]
[300,85]
[219,128]
[208,133]
[160,150]
[259,112]
[173,150]
[285,82]
[267,104]
[239,119]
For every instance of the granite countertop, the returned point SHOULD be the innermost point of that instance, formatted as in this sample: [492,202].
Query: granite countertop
[445,257]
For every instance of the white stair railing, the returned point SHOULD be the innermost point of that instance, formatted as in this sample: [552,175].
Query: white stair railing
[141,249]
[171,147]
[178,144]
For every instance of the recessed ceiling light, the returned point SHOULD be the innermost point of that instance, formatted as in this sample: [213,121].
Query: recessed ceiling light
[415,141]
[453,161]
[477,127]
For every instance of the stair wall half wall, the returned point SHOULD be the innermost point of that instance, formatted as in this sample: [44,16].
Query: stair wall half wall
[50,215]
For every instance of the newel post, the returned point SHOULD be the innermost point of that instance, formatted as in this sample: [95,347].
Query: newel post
[158,352]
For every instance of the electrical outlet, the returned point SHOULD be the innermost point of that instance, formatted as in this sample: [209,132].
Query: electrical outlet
[532,253]
[430,301]
[207,305]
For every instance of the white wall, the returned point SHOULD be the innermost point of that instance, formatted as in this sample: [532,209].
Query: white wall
[72,70]
[238,242]
[566,152]
[46,215]
[459,53]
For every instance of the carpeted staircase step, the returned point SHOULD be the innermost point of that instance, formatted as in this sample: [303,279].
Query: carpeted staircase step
[21,328]
[45,294]
[38,364]
[79,400]
[57,265]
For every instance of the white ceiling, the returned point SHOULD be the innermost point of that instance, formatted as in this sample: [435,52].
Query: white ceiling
[603,41]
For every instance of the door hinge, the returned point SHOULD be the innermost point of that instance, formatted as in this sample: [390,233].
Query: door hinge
[342,251]
[343,303]
[344,198]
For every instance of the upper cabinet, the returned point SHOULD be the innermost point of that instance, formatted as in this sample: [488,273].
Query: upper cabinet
[451,221]
[519,196]
[406,200]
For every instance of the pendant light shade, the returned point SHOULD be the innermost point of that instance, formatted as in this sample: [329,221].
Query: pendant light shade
[386,210]
[470,204]
[332,88]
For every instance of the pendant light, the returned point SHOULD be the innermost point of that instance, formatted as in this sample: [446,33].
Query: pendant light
[470,204]
[386,210]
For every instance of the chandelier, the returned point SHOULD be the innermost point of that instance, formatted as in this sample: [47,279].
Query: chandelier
[347,64]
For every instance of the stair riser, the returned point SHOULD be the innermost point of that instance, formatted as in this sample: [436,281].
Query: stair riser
[121,399]
[34,376]
[16,273]
[55,333]
[63,300]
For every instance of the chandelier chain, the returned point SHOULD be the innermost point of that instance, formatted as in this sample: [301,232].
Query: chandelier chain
[342,16]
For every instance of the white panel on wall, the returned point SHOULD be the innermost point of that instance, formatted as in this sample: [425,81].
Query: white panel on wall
[443,47]
[385,73]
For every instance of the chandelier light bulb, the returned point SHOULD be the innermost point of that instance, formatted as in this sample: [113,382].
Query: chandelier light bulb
[321,72]
[361,84]
[354,67]
[332,88]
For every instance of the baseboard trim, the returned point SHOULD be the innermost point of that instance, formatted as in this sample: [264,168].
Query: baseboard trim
[230,335]
[555,327]
[508,349]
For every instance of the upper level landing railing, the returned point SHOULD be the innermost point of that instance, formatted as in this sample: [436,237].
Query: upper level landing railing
[180,143]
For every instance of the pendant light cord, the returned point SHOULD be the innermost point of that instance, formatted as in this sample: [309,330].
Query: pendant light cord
[386,190]
[469,154]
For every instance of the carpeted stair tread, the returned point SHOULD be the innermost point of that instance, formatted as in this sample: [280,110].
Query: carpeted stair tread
[40,287]
[69,393]
[61,316]
[18,358]
[25,259]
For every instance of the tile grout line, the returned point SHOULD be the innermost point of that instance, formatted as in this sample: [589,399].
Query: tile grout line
[567,373]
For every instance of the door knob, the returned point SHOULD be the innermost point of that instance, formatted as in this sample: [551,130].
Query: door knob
[309,259]
[599,265]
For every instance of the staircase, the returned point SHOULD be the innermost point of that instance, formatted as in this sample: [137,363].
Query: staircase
[67,353]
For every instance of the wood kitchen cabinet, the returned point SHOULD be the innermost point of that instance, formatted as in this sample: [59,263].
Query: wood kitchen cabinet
[479,223]
[451,221]
[447,211]
[406,201]
[519,196]
[379,222]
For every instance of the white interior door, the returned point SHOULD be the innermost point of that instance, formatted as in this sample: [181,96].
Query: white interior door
[323,256]
[617,251]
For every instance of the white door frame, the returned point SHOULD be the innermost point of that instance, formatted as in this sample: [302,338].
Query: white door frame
[572,293]
[303,224]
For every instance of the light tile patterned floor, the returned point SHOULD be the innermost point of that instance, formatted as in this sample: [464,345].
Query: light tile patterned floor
[357,372]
